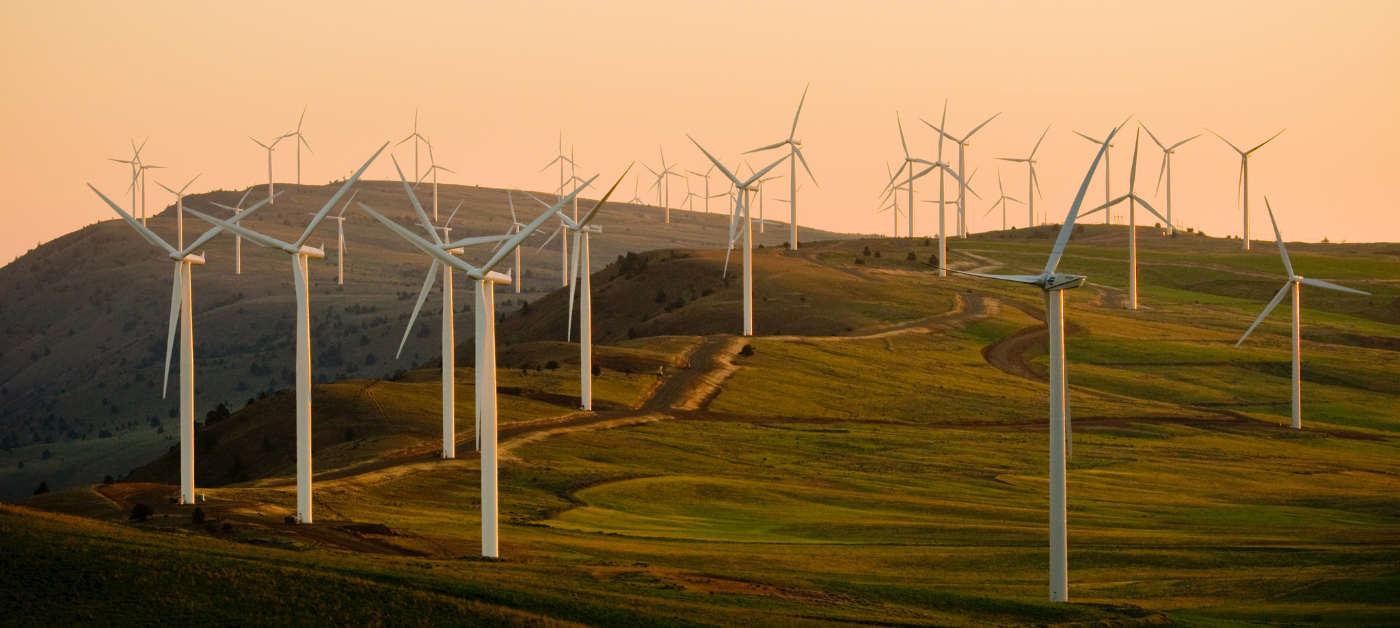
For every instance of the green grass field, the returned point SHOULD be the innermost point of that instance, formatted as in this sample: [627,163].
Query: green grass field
[889,475]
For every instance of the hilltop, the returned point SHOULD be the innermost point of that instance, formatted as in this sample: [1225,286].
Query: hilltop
[86,315]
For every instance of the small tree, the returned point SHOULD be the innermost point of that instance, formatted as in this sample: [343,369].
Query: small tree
[198,516]
[866,252]
[141,512]
[108,480]
[597,370]
[933,259]
[747,351]
[912,257]
[860,261]
[551,365]
[43,488]
[877,254]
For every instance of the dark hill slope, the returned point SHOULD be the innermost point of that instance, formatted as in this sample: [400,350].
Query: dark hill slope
[83,317]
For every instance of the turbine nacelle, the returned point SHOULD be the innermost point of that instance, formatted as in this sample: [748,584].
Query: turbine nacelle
[309,251]
[1061,281]
[191,258]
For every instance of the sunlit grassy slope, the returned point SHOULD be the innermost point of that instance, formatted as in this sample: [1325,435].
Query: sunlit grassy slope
[869,465]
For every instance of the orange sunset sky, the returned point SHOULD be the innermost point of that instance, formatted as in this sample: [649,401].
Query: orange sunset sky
[496,83]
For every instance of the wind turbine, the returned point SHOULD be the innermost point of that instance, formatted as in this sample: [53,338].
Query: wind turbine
[795,146]
[340,239]
[300,253]
[449,342]
[237,240]
[963,143]
[433,168]
[662,183]
[415,136]
[181,315]
[1133,199]
[270,148]
[1167,152]
[908,185]
[1033,184]
[742,216]
[301,139]
[1053,284]
[706,177]
[1294,282]
[1001,201]
[763,222]
[584,282]
[893,205]
[561,159]
[179,207]
[486,280]
[1107,176]
[136,173]
[636,186]
[1243,192]
[515,222]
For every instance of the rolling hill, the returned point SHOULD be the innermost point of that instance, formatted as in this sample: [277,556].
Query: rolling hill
[85,317]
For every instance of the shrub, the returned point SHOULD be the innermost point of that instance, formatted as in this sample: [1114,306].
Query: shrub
[660,296]
[933,259]
[198,516]
[46,455]
[877,254]
[551,365]
[141,512]
[219,413]
[108,480]
[349,434]
[597,370]
[860,261]
[866,252]
[267,444]
[746,351]
[912,257]
[43,488]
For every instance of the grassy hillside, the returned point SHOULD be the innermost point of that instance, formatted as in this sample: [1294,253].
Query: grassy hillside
[881,461]
[86,315]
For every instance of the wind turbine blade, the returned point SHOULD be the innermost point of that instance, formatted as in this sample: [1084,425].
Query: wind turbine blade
[1034,280]
[243,198]
[1278,237]
[308,144]
[335,198]
[979,127]
[244,232]
[525,232]
[476,240]
[422,296]
[1329,285]
[1132,172]
[1173,146]
[1261,144]
[435,252]
[1152,209]
[550,238]
[770,147]
[1067,229]
[941,132]
[1036,181]
[1272,304]
[573,282]
[210,234]
[147,234]
[588,218]
[1154,137]
[417,207]
[759,175]
[175,302]
[1037,142]
[347,204]
[714,161]
[901,135]
[453,214]
[255,141]
[1087,137]
[798,152]
[511,199]
[1222,138]
[793,133]
[1161,173]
